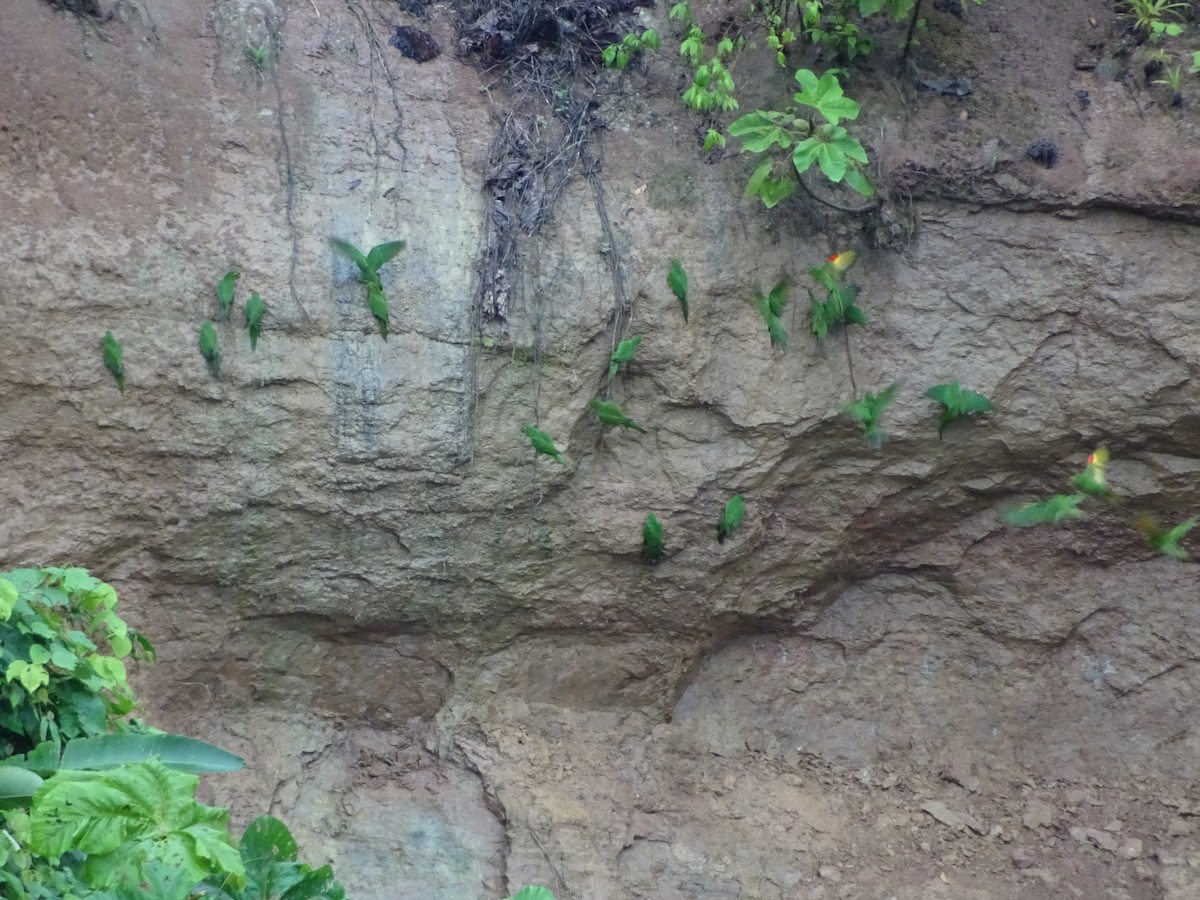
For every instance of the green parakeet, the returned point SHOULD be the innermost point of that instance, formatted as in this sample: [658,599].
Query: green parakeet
[771,307]
[956,403]
[869,410]
[1055,511]
[208,348]
[1165,540]
[678,281]
[112,359]
[652,539]
[379,308]
[542,443]
[1091,480]
[225,291]
[369,265]
[610,414]
[256,307]
[623,354]
[839,263]
[731,517]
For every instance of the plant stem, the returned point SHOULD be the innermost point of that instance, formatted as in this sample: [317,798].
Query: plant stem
[912,27]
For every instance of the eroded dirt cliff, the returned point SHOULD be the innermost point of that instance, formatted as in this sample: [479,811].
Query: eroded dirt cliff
[443,658]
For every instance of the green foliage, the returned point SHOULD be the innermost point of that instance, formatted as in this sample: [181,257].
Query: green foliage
[677,280]
[268,853]
[770,307]
[259,55]
[226,288]
[1194,68]
[60,682]
[255,309]
[368,273]
[1058,509]
[652,539]
[868,412]
[207,342]
[956,403]
[113,359]
[610,414]
[109,751]
[617,56]
[712,85]
[1172,77]
[731,517]
[624,353]
[1152,17]
[542,443]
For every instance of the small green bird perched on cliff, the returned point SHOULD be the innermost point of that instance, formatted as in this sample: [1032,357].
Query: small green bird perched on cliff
[771,307]
[1091,480]
[208,348]
[225,291]
[610,414]
[624,353]
[255,309]
[731,517]
[677,280]
[113,359]
[378,305]
[1165,540]
[869,410]
[956,403]
[1058,509]
[652,539]
[542,443]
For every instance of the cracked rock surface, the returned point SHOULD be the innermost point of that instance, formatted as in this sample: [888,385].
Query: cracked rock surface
[443,659]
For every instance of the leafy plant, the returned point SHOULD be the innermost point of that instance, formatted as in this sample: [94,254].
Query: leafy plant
[956,403]
[617,56]
[113,353]
[59,682]
[368,273]
[1194,68]
[652,539]
[712,85]
[770,307]
[268,853]
[868,412]
[677,280]
[1150,17]
[731,517]
[624,353]
[259,55]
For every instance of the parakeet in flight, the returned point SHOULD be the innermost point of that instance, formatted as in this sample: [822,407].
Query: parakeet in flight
[652,539]
[1165,540]
[623,354]
[1055,511]
[956,403]
[225,291]
[731,517]
[112,359]
[678,281]
[208,348]
[610,414]
[771,307]
[369,265]
[256,307]
[542,443]
[379,307]
[869,410]
[839,263]
[1091,480]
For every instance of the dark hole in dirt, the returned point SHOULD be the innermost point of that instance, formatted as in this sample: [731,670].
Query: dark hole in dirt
[1044,152]
[415,43]
[1152,69]
[79,7]
[1177,99]
[413,7]
[520,28]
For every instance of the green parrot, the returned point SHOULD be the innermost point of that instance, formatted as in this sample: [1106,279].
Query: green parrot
[1091,480]
[731,517]
[956,403]
[610,414]
[112,359]
[369,265]
[869,410]
[652,539]
[225,290]
[379,307]
[208,348]
[542,443]
[256,307]
[623,354]
[1165,540]
[1055,511]
[771,307]
[677,280]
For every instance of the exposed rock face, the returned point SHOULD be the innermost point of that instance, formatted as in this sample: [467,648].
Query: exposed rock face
[443,658]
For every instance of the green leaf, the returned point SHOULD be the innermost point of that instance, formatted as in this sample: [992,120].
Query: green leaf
[182,754]
[31,676]
[62,657]
[832,161]
[39,654]
[825,96]
[8,598]
[858,181]
[109,668]
[760,131]
[17,786]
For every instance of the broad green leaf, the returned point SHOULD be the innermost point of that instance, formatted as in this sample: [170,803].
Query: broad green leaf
[825,96]
[17,786]
[805,154]
[31,675]
[381,254]
[62,657]
[760,132]
[832,161]
[8,598]
[39,654]
[109,668]
[182,754]
[858,181]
